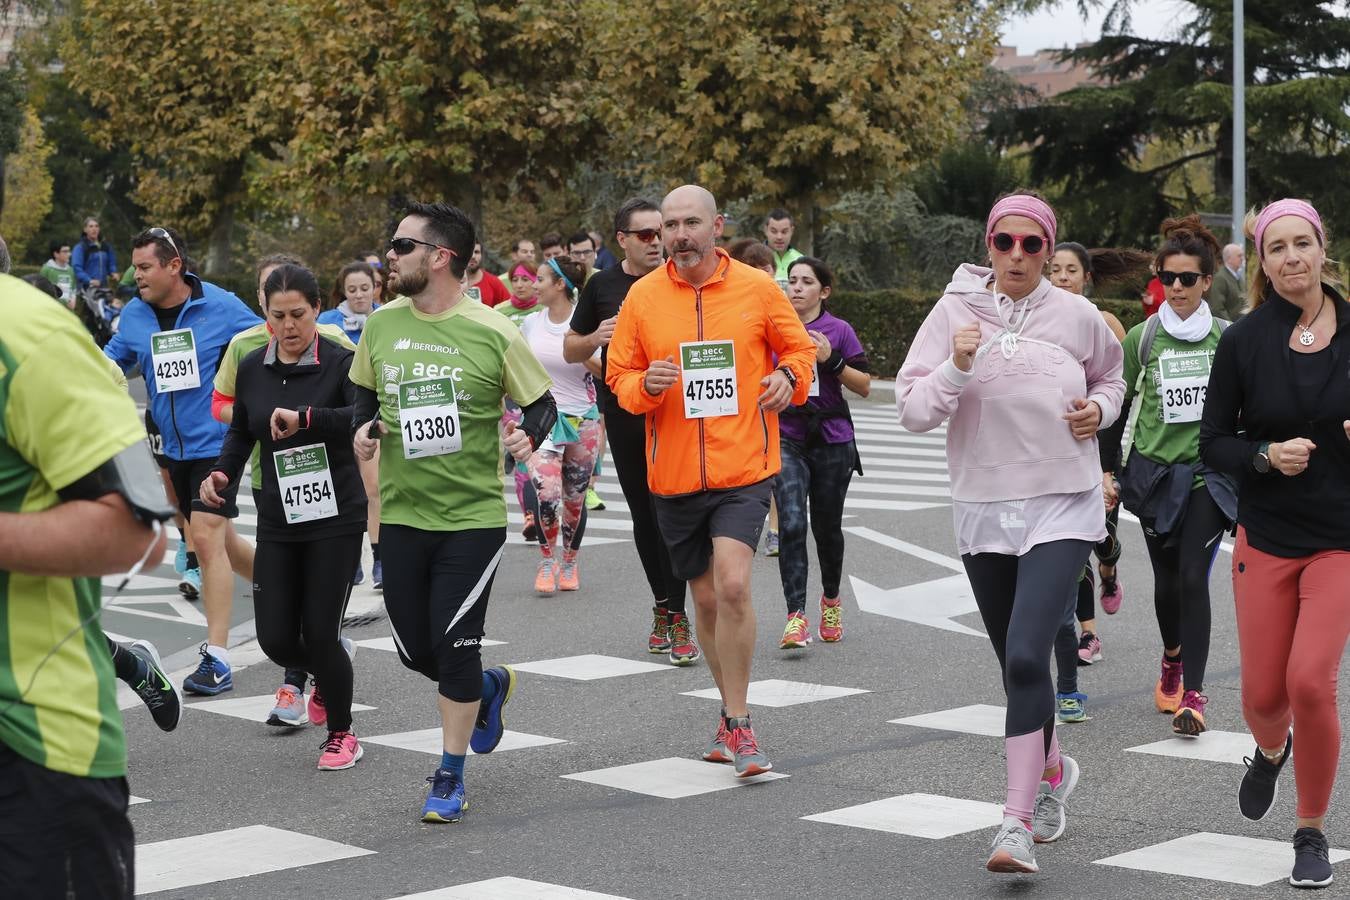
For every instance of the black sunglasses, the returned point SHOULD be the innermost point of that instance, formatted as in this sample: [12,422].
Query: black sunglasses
[646,235]
[405,245]
[1188,279]
[1031,243]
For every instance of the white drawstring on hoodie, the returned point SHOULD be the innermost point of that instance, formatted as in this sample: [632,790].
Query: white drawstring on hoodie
[1008,336]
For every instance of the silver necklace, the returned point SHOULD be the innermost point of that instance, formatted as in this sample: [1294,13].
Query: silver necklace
[1307,337]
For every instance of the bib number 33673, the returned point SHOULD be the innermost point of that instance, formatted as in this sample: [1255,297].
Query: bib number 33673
[305,483]
[428,415]
[708,379]
[1184,378]
[174,357]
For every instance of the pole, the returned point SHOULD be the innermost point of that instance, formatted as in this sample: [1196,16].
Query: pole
[1239,125]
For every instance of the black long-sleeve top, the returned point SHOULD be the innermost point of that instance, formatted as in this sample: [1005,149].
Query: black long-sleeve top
[318,388]
[1259,393]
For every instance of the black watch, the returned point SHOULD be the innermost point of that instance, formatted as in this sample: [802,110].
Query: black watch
[1261,461]
[792,379]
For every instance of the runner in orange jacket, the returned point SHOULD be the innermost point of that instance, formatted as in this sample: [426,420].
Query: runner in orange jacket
[726,338]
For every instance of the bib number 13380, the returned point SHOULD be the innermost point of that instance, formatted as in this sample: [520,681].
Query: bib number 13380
[428,414]
[708,379]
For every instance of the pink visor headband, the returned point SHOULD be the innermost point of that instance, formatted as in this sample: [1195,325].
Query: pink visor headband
[1287,207]
[1036,210]
[524,270]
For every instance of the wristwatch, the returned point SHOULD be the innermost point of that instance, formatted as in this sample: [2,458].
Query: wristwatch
[1261,462]
[792,379]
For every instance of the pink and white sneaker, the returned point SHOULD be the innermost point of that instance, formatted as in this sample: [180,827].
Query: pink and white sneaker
[340,751]
[318,713]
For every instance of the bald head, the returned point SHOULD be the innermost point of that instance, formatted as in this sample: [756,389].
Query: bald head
[1233,256]
[690,227]
[691,197]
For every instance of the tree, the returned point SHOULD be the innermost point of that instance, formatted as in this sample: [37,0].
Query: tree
[180,86]
[28,187]
[781,101]
[1124,156]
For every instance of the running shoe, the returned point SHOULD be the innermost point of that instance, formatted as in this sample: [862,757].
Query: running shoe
[340,750]
[1260,786]
[1312,859]
[771,544]
[750,760]
[377,576]
[154,688]
[1089,649]
[531,530]
[719,747]
[1013,850]
[831,620]
[180,558]
[289,710]
[318,712]
[1113,593]
[212,676]
[1071,707]
[445,800]
[683,650]
[360,575]
[1048,822]
[1167,693]
[546,580]
[488,730]
[1190,718]
[593,501]
[568,577]
[190,583]
[659,640]
[797,633]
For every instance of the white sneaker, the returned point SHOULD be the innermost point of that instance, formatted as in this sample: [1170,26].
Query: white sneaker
[1049,821]
[1014,850]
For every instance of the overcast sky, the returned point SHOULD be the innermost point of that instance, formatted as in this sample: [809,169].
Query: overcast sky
[1060,25]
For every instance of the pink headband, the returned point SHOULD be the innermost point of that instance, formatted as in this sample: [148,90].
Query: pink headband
[1023,205]
[523,269]
[1287,207]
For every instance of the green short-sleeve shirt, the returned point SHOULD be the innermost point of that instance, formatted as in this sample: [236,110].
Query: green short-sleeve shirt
[487,359]
[61,417]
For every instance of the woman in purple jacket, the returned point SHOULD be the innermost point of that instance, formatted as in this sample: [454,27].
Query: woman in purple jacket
[1026,373]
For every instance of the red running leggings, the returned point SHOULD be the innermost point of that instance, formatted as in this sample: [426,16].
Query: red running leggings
[1293,620]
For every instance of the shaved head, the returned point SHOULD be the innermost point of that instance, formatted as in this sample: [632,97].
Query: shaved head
[690,227]
[691,195]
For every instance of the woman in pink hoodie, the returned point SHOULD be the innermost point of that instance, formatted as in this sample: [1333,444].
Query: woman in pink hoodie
[1026,373]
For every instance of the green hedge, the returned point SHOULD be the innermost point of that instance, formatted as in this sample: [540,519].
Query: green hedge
[886,321]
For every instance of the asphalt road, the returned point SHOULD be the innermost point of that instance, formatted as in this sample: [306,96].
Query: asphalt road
[237,809]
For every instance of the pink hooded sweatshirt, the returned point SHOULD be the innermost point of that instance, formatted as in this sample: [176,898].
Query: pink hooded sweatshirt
[1007,439]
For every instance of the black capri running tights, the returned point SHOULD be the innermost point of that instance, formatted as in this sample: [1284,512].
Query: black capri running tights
[1023,600]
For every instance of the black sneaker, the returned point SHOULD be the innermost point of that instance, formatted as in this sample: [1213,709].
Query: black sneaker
[159,694]
[1259,789]
[1312,865]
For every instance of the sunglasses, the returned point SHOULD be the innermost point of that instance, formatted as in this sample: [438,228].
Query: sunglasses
[1188,279]
[646,235]
[1031,243]
[405,245]
[162,235]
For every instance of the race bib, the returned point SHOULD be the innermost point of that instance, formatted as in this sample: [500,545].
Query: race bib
[815,380]
[708,379]
[474,294]
[1183,381]
[305,484]
[428,414]
[173,354]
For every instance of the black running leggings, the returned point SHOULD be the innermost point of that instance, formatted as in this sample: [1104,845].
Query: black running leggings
[1181,583]
[1023,600]
[1108,554]
[300,592]
[628,454]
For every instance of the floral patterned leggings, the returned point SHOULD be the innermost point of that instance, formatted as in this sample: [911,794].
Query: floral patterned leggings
[560,477]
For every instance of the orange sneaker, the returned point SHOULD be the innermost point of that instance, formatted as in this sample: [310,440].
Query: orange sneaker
[546,581]
[797,633]
[1190,718]
[1167,693]
[568,578]
[831,620]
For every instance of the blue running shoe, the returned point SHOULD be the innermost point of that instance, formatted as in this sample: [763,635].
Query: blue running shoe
[180,558]
[445,800]
[1071,707]
[360,575]
[488,730]
[190,584]
[212,676]
[377,576]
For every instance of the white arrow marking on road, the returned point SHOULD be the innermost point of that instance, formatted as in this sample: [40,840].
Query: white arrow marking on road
[932,603]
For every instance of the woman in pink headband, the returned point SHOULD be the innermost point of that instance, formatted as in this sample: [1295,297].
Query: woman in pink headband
[1025,372]
[1277,419]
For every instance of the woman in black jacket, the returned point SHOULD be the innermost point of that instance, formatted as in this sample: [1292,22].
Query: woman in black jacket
[1277,419]
[294,399]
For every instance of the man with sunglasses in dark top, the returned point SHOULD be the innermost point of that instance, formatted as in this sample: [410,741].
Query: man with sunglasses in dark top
[176,332]
[637,227]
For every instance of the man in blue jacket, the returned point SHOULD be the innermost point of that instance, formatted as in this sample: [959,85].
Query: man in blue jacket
[93,260]
[175,332]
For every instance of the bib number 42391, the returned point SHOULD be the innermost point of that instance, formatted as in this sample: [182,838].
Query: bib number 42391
[173,354]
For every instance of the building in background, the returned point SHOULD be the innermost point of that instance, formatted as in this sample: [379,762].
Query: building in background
[1043,72]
